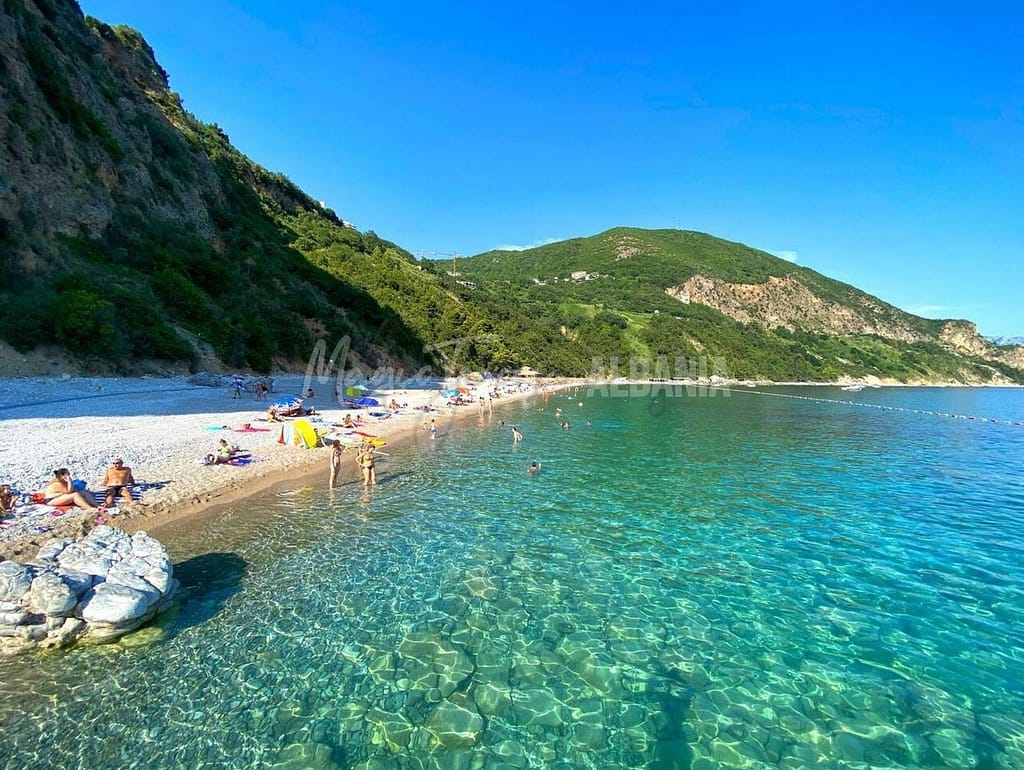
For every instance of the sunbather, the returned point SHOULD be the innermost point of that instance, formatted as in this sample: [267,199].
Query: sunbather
[225,454]
[7,499]
[119,481]
[60,491]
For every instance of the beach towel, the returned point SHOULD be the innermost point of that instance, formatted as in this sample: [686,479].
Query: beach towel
[237,458]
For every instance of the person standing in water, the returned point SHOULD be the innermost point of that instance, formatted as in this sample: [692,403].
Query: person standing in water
[336,451]
[365,460]
[516,435]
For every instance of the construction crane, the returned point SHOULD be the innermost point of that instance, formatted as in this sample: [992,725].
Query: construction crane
[436,254]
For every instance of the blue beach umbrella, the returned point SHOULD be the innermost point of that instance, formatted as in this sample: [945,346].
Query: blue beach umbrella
[366,401]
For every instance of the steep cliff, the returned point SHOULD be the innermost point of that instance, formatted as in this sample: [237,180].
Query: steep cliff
[132,234]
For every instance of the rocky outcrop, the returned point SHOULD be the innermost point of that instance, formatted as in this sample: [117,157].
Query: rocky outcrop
[963,337]
[785,302]
[91,590]
[76,151]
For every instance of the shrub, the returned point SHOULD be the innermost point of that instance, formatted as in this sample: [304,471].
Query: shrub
[180,295]
[26,320]
[84,323]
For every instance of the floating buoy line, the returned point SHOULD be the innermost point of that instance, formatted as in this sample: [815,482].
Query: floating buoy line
[881,407]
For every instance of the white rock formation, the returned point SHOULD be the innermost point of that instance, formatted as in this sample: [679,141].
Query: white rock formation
[95,589]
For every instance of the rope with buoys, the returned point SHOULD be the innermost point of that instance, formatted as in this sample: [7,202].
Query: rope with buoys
[882,407]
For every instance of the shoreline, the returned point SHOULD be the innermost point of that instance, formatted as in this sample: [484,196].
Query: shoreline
[162,427]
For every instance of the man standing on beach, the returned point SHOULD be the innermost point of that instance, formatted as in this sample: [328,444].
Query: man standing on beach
[119,481]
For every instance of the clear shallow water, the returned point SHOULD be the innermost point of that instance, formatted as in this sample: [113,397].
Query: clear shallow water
[749,582]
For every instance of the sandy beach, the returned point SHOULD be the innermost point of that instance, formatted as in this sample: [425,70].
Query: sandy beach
[163,428]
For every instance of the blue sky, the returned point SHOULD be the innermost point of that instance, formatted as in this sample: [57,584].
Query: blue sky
[880,144]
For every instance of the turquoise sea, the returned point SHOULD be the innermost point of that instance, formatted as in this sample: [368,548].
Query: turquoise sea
[740,581]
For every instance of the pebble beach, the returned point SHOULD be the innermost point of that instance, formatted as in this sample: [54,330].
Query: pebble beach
[163,428]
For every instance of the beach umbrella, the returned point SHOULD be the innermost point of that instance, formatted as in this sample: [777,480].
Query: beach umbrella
[366,401]
[287,405]
[450,393]
[355,390]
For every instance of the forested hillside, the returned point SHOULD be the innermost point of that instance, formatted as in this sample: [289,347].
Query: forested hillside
[680,294]
[132,234]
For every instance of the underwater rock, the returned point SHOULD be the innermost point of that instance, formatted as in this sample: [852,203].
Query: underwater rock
[97,589]
[455,726]
[306,756]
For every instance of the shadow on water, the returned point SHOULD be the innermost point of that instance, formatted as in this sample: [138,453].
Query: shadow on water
[207,583]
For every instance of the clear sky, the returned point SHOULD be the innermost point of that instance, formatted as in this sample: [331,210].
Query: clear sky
[881,144]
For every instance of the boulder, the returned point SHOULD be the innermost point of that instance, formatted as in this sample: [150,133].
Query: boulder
[97,588]
[15,580]
[206,379]
[51,596]
[114,604]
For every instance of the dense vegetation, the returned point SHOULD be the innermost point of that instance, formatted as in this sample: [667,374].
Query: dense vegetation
[617,307]
[256,276]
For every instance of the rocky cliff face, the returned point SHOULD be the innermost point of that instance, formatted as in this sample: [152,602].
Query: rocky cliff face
[787,303]
[89,132]
[784,302]
[963,337]
[116,206]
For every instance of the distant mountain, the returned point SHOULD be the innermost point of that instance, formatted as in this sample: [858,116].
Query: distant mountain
[676,293]
[1006,340]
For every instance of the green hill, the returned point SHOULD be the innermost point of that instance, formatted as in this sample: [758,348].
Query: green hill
[677,294]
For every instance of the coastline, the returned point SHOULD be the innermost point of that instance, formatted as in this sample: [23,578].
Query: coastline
[163,427]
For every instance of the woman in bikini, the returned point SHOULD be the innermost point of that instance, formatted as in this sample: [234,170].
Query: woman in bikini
[60,491]
[366,464]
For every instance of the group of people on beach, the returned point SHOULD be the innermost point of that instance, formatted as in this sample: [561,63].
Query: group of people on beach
[62,490]
[366,457]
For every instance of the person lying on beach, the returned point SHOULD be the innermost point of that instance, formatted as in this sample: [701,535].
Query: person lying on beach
[119,481]
[60,491]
